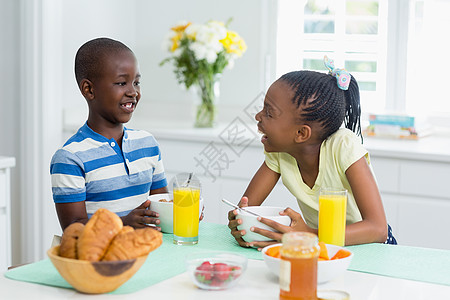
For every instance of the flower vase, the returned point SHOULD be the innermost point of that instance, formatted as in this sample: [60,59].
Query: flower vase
[208,93]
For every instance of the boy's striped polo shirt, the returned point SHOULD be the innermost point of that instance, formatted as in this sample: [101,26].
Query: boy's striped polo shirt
[92,168]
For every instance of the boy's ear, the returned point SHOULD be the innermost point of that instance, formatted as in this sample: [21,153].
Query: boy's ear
[87,89]
[303,133]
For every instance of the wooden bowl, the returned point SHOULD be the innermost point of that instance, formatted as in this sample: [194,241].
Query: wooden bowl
[94,277]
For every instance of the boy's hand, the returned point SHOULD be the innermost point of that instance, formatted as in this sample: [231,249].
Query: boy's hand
[141,217]
[233,223]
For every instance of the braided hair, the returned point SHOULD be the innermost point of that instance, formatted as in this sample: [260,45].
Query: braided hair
[324,102]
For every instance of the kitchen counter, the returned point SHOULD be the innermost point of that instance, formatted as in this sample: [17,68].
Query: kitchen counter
[430,148]
[6,163]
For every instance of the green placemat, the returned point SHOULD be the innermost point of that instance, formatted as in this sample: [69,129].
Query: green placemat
[163,263]
[413,263]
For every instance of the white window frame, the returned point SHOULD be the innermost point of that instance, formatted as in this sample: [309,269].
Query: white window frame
[395,72]
[298,45]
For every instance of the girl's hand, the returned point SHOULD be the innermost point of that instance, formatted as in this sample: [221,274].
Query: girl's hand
[297,224]
[141,216]
[233,223]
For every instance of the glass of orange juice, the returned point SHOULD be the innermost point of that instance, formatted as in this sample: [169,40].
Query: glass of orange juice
[186,199]
[332,211]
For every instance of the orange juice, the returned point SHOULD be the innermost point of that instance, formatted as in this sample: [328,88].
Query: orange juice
[298,267]
[332,210]
[185,215]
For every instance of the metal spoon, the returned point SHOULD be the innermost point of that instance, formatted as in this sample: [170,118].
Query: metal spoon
[240,208]
[188,180]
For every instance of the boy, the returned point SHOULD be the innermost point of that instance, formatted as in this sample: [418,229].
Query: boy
[106,164]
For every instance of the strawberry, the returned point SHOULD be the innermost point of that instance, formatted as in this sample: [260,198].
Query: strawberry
[222,271]
[236,271]
[204,272]
[206,266]
[216,282]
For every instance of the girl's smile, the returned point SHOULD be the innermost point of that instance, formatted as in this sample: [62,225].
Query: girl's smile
[264,139]
[264,136]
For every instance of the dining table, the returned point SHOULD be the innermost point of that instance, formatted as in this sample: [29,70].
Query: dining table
[377,271]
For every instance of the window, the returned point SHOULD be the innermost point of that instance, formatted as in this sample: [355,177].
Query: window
[353,33]
[397,50]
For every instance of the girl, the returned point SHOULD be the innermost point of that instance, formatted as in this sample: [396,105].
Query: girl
[305,146]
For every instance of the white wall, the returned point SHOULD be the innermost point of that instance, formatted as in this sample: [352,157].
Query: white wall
[82,21]
[142,25]
[9,100]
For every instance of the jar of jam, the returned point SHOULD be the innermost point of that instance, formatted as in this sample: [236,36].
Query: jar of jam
[298,268]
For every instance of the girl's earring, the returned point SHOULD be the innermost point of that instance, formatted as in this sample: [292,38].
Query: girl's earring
[303,134]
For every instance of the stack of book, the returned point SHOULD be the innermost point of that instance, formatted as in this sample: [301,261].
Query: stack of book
[395,126]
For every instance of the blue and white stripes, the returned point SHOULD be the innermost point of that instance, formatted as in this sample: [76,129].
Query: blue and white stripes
[91,168]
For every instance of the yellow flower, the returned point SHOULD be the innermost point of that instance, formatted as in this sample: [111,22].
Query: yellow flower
[175,42]
[199,50]
[178,34]
[233,43]
[180,28]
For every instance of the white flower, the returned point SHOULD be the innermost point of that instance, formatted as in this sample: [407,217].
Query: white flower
[211,55]
[202,51]
[209,36]
[191,31]
[199,50]
[219,28]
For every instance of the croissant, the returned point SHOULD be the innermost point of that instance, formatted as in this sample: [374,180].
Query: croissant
[69,240]
[133,244]
[97,235]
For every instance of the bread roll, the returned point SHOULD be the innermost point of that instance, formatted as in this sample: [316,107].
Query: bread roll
[97,235]
[126,229]
[68,247]
[133,244]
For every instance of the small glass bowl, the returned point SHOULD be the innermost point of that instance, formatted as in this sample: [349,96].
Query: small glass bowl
[215,270]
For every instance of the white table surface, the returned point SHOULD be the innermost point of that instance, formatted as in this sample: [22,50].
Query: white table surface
[256,283]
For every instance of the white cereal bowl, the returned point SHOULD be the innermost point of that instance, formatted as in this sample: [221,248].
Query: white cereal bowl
[165,210]
[326,269]
[249,221]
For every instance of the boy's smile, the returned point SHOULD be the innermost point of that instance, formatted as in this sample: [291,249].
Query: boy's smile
[129,106]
